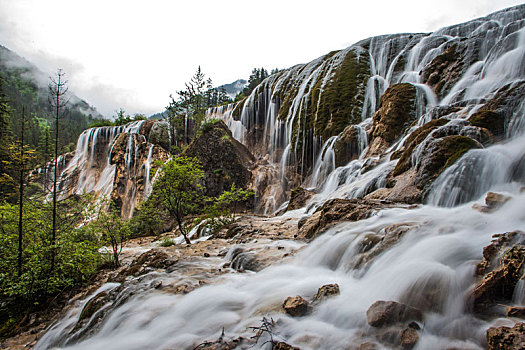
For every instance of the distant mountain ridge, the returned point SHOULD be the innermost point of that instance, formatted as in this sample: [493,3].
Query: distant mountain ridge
[12,65]
[232,89]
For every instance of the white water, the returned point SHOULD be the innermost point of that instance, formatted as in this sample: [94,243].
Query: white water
[442,246]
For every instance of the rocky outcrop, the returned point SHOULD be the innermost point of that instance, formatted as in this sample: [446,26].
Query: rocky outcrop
[492,202]
[397,110]
[506,338]
[444,70]
[489,120]
[284,346]
[225,161]
[335,211]
[159,135]
[134,159]
[501,269]
[298,198]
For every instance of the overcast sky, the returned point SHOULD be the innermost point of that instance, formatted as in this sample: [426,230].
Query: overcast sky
[133,54]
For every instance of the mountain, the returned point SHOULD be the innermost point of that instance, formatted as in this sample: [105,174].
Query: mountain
[26,85]
[234,88]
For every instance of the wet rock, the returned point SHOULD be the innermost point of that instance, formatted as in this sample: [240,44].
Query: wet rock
[298,198]
[445,70]
[413,140]
[495,200]
[347,147]
[390,235]
[493,253]
[386,313]
[515,311]
[326,291]
[284,346]
[439,154]
[337,210]
[152,259]
[506,338]
[409,337]
[490,120]
[503,268]
[242,260]
[396,112]
[93,305]
[295,306]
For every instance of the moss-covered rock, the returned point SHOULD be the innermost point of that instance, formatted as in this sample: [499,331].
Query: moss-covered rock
[414,139]
[340,101]
[397,110]
[225,161]
[490,120]
[159,135]
[439,154]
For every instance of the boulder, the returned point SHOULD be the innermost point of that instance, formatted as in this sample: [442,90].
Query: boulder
[397,110]
[496,200]
[506,338]
[326,291]
[409,337]
[387,313]
[414,139]
[295,306]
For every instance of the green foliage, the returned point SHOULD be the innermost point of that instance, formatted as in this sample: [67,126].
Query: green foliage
[112,230]
[77,255]
[232,198]
[149,219]
[101,122]
[167,242]
[178,189]
[257,76]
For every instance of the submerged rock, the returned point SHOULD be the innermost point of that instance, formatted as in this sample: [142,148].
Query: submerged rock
[295,306]
[506,338]
[388,313]
[515,311]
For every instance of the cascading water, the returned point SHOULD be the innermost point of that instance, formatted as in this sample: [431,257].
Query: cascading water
[438,249]
[91,168]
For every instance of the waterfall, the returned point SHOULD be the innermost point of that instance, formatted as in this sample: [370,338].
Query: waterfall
[430,251]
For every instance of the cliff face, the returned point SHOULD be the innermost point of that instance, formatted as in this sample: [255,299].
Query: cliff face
[116,162]
[347,117]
